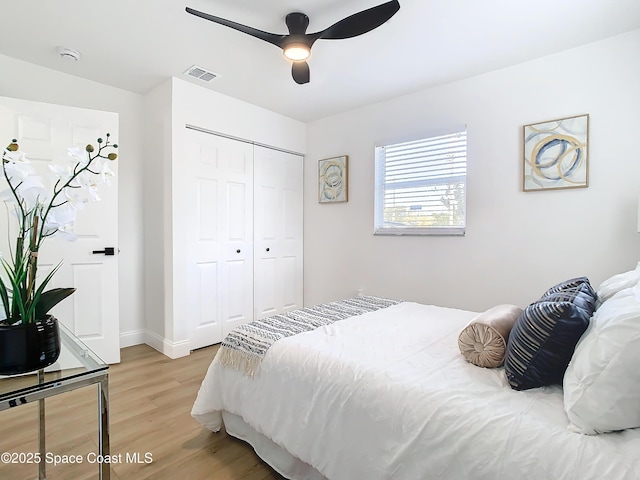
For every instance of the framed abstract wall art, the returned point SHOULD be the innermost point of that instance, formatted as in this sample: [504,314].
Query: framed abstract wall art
[333,179]
[556,154]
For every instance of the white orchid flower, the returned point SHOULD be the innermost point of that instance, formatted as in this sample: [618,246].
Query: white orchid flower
[104,173]
[61,172]
[59,221]
[101,170]
[32,193]
[18,170]
[17,156]
[75,196]
[79,155]
[61,215]
[66,233]
[23,181]
[87,182]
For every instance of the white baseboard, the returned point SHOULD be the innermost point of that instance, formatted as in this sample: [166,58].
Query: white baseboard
[170,349]
[131,338]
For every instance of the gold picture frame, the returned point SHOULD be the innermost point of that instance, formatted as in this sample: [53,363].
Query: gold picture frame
[555,154]
[333,179]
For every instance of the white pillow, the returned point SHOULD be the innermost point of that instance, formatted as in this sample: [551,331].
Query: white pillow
[613,285]
[602,382]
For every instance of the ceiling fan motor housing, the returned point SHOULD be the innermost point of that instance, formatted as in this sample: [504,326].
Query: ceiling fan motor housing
[297,22]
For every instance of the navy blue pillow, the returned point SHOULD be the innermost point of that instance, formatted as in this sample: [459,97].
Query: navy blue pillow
[545,335]
[567,285]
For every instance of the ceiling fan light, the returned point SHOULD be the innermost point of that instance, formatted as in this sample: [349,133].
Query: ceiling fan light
[297,52]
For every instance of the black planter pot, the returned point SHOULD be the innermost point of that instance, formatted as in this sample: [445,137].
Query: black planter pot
[29,347]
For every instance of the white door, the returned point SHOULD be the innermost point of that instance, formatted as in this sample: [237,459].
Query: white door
[220,236]
[44,132]
[278,223]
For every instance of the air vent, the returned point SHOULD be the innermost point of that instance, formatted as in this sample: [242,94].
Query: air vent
[201,73]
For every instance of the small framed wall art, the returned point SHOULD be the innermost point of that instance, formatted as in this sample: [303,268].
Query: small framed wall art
[556,154]
[333,181]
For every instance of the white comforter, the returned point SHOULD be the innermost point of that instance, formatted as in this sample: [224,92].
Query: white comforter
[387,395]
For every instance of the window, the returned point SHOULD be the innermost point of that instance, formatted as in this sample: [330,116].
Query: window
[421,186]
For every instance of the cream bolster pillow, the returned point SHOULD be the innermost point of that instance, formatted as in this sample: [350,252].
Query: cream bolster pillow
[483,341]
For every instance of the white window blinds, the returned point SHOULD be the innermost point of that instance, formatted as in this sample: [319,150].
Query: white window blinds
[421,186]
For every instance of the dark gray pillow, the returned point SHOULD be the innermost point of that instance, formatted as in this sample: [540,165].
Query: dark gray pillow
[567,285]
[582,296]
[545,335]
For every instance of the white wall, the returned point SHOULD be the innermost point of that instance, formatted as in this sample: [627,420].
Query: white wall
[157,201]
[31,82]
[512,250]
[169,108]
[517,244]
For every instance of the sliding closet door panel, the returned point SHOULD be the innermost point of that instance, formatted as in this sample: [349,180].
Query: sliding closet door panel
[290,278]
[220,272]
[207,191]
[267,289]
[277,231]
[290,263]
[237,294]
[207,282]
[237,217]
[266,213]
[266,224]
[238,289]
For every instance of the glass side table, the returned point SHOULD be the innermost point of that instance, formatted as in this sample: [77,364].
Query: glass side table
[77,367]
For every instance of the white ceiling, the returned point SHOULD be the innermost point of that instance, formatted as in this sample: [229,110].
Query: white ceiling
[137,44]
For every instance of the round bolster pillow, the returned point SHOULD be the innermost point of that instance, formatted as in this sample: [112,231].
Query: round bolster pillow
[483,342]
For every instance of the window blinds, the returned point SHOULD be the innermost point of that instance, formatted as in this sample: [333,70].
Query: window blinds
[421,186]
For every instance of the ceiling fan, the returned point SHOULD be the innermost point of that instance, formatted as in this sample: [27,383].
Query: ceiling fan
[296,45]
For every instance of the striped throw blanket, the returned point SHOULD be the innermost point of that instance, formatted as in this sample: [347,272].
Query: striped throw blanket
[245,346]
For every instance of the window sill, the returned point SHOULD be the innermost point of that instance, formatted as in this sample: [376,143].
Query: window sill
[433,231]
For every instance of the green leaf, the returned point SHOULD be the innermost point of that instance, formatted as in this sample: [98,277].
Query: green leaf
[4,295]
[50,299]
[33,303]
[16,278]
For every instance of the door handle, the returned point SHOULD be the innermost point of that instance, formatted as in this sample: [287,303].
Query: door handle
[106,251]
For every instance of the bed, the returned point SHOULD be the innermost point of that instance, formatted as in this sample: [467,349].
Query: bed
[387,394]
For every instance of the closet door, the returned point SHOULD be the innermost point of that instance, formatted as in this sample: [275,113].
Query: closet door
[221,238]
[277,231]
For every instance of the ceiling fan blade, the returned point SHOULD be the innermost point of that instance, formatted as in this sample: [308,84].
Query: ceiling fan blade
[361,22]
[300,72]
[272,38]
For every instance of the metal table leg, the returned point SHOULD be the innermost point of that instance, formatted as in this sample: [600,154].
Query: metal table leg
[42,445]
[103,426]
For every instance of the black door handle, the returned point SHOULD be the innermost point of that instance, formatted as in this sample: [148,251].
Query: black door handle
[106,251]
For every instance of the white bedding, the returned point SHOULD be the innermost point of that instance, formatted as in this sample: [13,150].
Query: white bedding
[388,395]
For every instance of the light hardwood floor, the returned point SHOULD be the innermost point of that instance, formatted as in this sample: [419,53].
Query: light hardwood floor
[150,403]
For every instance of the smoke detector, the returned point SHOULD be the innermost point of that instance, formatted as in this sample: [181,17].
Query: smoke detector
[69,54]
[201,73]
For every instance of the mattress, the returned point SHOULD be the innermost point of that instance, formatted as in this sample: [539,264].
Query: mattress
[387,395]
